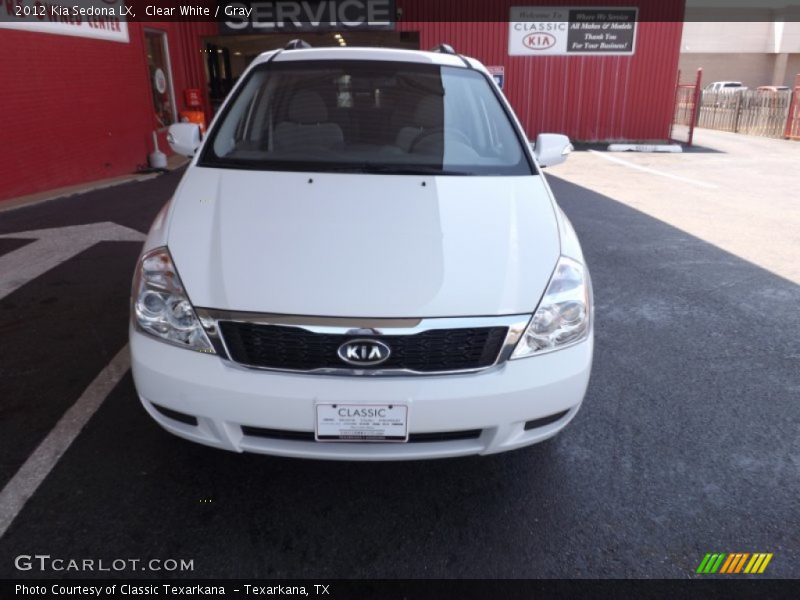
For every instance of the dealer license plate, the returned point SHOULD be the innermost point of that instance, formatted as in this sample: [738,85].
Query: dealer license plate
[362,423]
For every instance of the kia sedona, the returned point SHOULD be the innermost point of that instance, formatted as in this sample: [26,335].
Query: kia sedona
[363,261]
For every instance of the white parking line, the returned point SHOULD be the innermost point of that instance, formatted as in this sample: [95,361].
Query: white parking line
[53,247]
[39,464]
[620,161]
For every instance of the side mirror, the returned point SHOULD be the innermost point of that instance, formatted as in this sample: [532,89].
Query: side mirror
[551,149]
[184,138]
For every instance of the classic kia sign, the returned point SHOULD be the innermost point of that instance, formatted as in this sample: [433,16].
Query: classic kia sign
[539,41]
[537,30]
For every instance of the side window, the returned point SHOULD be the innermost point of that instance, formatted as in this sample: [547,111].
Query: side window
[237,127]
[257,126]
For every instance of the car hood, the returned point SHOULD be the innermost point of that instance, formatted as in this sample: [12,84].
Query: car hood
[363,245]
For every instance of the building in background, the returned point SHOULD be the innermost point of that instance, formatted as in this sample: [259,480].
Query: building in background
[81,103]
[82,100]
[755,46]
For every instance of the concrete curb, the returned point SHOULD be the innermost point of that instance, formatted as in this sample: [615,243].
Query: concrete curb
[82,188]
[673,148]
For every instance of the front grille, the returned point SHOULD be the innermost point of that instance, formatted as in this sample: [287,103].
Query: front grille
[308,436]
[297,349]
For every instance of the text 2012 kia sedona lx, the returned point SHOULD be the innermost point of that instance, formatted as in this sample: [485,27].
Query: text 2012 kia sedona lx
[364,262]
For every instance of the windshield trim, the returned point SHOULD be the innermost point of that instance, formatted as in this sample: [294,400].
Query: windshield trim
[343,168]
[207,157]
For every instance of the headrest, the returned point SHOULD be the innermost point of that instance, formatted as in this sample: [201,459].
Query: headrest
[308,108]
[429,112]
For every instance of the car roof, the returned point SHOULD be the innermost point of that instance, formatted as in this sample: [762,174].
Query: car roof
[376,54]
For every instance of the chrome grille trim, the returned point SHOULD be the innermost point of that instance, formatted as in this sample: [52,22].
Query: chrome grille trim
[516,324]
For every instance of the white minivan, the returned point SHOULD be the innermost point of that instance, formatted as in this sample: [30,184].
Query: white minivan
[726,86]
[363,261]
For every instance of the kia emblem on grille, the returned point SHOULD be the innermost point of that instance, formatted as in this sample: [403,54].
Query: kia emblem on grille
[361,353]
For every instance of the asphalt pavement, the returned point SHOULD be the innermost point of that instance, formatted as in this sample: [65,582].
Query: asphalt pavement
[687,442]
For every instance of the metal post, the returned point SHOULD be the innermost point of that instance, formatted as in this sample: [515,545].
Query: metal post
[794,109]
[695,106]
[714,112]
[738,113]
[675,106]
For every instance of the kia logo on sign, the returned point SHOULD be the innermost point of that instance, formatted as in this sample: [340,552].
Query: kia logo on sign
[539,41]
[362,353]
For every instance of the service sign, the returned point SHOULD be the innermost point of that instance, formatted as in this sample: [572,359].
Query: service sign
[106,20]
[270,16]
[548,31]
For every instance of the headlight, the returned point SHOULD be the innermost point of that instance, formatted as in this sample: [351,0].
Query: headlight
[160,305]
[564,314]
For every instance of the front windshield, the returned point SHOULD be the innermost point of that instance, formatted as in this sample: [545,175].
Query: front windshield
[366,116]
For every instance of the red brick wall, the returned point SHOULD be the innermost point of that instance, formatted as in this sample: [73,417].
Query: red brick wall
[77,109]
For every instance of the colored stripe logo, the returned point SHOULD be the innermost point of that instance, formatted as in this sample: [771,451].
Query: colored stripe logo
[737,562]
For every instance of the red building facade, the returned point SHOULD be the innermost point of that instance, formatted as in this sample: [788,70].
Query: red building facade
[78,109]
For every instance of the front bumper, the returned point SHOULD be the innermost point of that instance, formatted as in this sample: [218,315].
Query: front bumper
[224,398]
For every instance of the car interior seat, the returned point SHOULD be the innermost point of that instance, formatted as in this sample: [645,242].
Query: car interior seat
[307,125]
